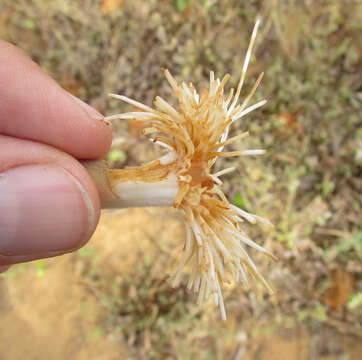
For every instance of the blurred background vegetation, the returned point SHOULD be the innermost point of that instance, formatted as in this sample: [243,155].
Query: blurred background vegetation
[111,300]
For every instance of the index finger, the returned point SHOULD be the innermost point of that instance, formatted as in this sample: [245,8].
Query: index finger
[33,106]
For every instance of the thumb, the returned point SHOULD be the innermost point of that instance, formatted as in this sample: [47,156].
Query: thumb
[48,203]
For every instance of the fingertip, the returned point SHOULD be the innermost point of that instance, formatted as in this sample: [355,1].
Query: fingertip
[99,133]
[45,210]
[4,268]
[49,204]
[34,107]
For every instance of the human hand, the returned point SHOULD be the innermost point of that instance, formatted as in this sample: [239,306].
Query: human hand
[48,203]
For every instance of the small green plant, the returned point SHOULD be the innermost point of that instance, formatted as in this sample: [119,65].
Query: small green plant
[144,303]
[239,200]
[355,301]
[14,271]
[181,5]
[348,247]
[91,258]
[116,155]
[40,267]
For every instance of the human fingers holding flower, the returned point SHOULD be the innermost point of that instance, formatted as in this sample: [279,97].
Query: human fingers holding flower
[48,202]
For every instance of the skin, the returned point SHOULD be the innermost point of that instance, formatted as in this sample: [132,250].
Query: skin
[42,125]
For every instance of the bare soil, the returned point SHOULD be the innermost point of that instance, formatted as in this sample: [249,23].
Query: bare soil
[61,314]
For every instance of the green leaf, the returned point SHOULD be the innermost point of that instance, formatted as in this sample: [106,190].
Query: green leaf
[320,312]
[116,155]
[239,201]
[181,5]
[327,187]
[355,301]
[14,271]
[86,251]
[40,268]
[28,24]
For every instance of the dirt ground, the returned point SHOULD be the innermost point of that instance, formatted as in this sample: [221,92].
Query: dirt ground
[58,313]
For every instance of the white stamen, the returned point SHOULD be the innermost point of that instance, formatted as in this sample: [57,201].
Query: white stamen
[224,171]
[162,144]
[216,180]
[244,214]
[133,102]
[245,66]
[168,158]
[253,152]
[242,113]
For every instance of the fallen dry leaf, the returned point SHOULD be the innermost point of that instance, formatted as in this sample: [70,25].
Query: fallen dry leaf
[337,294]
[291,123]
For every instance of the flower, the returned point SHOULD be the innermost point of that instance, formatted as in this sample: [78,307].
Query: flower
[194,135]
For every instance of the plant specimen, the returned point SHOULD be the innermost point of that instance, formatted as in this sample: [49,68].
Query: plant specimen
[194,135]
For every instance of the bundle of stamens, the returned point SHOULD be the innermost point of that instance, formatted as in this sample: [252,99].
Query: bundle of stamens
[194,136]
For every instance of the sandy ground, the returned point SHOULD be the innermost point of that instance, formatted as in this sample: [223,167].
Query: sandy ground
[56,316]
